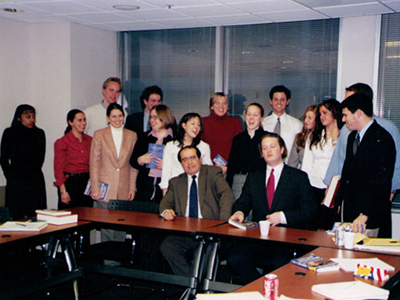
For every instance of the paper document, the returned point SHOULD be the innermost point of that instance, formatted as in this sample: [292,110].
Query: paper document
[350,290]
[350,264]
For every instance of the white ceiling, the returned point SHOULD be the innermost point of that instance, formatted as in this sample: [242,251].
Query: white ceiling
[169,14]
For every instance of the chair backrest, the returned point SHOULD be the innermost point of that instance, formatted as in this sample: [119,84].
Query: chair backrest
[120,205]
[139,206]
[4,214]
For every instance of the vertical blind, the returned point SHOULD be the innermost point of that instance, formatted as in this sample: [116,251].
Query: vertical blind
[301,55]
[388,104]
[181,62]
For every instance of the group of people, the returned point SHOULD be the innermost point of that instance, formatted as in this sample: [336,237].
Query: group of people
[278,168]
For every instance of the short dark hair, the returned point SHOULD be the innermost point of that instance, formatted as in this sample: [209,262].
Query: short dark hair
[280,141]
[358,101]
[361,88]
[112,79]
[198,153]
[280,89]
[150,90]
[114,106]
[257,105]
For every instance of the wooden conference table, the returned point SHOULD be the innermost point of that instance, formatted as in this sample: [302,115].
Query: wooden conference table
[296,282]
[54,236]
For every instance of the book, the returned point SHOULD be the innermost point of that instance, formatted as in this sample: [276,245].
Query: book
[219,161]
[243,225]
[58,220]
[331,191]
[103,190]
[350,290]
[23,226]
[316,263]
[53,212]
[157,150]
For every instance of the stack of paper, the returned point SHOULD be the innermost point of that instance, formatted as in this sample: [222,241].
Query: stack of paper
[56,217]
[350,290]
[23,226]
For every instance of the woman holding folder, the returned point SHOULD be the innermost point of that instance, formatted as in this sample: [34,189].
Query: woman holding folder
[148,152]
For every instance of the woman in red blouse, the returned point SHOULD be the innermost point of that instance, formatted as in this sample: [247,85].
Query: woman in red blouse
[71,162]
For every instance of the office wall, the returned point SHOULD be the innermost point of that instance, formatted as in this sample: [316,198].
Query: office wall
[54,67]
[358,52]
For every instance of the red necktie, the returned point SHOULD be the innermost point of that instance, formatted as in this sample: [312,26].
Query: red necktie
[271,188]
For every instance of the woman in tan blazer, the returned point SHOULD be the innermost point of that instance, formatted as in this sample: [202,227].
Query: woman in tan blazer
[109,159]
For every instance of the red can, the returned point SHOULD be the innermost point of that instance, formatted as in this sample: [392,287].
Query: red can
[271,287]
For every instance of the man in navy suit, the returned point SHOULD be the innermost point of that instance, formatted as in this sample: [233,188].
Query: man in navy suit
[292,205]
[363,197]
[139,122]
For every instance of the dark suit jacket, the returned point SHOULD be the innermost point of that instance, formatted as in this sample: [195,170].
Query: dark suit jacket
[293,196]
[366,179]
[215,196]
[135,122]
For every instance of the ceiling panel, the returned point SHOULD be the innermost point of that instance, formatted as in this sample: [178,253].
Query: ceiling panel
[161,14]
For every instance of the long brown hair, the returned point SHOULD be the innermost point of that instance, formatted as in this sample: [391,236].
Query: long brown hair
[302,136]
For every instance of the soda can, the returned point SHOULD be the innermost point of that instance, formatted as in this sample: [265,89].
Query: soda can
[339,240]
[271,287]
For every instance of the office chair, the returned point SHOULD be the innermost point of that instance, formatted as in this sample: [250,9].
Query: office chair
[393,285]
[122,252]
[4,214]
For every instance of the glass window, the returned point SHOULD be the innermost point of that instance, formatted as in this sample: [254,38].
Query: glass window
[181,62]
[300,55]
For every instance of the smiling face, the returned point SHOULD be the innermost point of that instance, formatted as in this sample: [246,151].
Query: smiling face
[79,123]
[253,117]
[192,127]
[191,164]
[28,119]
[271,151]
[350,119]
[154,100]
[220,106]
[116,118]
[326,116]
[279,103]
[111,93]
[155,121]
[309,120]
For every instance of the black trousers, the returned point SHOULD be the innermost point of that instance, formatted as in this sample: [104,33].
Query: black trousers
[75,186]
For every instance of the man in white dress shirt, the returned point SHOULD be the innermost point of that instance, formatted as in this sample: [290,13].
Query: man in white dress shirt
[279,121]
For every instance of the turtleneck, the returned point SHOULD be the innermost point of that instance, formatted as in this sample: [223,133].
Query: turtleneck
[214,116]
[117,137]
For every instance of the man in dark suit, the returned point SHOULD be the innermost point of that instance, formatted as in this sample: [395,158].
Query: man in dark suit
[200,192]
[290,204]
[139,122]
[363,197]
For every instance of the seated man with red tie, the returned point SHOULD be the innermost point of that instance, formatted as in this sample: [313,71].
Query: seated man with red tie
[200,192]
[280,194]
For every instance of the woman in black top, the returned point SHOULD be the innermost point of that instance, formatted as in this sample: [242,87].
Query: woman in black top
[161,120]
[23,147]
[245,154]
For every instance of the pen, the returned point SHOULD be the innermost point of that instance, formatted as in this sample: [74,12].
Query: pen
[21,224]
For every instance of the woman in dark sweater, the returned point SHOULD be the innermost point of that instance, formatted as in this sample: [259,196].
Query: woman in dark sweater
[245,153]
[161,120]
[23,147]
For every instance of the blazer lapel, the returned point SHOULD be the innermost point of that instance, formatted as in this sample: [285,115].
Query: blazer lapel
[280,187]
[110,142]
[183,193]
[201,188]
